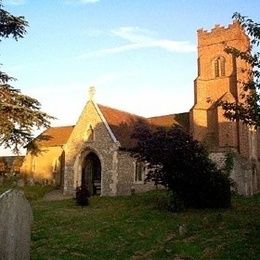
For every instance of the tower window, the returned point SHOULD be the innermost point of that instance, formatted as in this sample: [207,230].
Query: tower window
[219,67]
[198,66]
[216,66]
[222,67]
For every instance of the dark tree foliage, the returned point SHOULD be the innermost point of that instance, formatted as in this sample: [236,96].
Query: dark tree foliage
[10,25]
[19,114]
[182,165]
[248,109]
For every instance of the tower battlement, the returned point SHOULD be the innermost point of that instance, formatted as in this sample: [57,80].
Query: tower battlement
[218,29]
[221,34]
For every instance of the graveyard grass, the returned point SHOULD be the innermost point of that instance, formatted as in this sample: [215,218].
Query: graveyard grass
[139,227]
[34,192]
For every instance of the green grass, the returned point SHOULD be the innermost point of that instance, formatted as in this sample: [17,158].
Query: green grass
[34,192]
[136,227]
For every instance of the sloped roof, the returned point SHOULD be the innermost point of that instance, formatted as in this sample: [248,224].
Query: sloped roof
[122,124]
[54,136]
[181,119]
[227,97]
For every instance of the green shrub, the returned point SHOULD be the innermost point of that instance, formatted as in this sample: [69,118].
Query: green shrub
[182,165]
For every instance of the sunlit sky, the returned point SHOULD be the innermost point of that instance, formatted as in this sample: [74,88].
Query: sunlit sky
[139,54]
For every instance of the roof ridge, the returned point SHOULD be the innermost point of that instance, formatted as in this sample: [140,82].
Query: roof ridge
[168,115]
[122,111]
[63,126]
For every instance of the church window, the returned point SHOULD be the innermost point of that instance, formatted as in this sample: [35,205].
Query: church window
[219,67]
[140,170]
[198,66]
[216,66]
[222,67]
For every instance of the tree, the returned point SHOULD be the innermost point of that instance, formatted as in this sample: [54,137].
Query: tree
[248,109]
[19,114]
[182,165]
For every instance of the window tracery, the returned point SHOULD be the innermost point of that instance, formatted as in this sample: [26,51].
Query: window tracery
[219,67]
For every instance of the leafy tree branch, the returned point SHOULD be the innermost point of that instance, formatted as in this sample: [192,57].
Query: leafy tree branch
[19,113]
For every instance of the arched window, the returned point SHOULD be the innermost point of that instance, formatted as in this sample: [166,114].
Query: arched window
[219,67]
[140,171]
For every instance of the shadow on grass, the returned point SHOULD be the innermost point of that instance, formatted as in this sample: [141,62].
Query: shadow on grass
[137,227]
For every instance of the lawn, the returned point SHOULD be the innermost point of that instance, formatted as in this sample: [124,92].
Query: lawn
[34,192]
[137,227]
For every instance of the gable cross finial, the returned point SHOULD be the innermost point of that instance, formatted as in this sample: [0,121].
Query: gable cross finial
[91,92]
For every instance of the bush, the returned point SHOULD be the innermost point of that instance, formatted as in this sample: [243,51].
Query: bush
[182,165]
[82,195]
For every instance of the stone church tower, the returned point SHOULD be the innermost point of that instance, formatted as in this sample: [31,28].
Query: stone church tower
[219,78]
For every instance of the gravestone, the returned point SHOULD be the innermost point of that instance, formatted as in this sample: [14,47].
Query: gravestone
[20,183]
[15,226]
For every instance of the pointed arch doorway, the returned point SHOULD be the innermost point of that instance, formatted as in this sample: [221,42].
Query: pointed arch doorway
[91,174]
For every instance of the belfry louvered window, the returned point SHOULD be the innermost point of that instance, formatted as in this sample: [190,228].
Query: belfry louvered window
[219,67]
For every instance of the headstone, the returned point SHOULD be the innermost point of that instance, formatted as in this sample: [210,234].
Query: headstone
[15,226]
[182,230]
[20,183]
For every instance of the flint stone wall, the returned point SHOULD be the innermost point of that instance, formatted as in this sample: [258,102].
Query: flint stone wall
[15,226]
[245,173]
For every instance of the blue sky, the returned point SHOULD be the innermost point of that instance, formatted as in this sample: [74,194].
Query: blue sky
[140,54]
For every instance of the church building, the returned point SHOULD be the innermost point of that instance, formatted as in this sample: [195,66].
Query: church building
[95,151]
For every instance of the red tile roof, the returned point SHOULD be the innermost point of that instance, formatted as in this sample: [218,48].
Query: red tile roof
[181,119]
[121,123]
[54,136]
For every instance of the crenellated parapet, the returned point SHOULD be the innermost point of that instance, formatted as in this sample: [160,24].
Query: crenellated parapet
[221,34]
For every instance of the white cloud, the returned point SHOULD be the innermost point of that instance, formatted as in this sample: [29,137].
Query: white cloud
[137,38]
[134,34]
[15,2]
[110,51]
[81,1]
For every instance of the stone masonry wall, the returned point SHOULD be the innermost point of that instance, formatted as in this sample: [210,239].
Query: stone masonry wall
[126,169]
[211,86]
[245,173]
[79,145]
[126,175]
[15,226]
